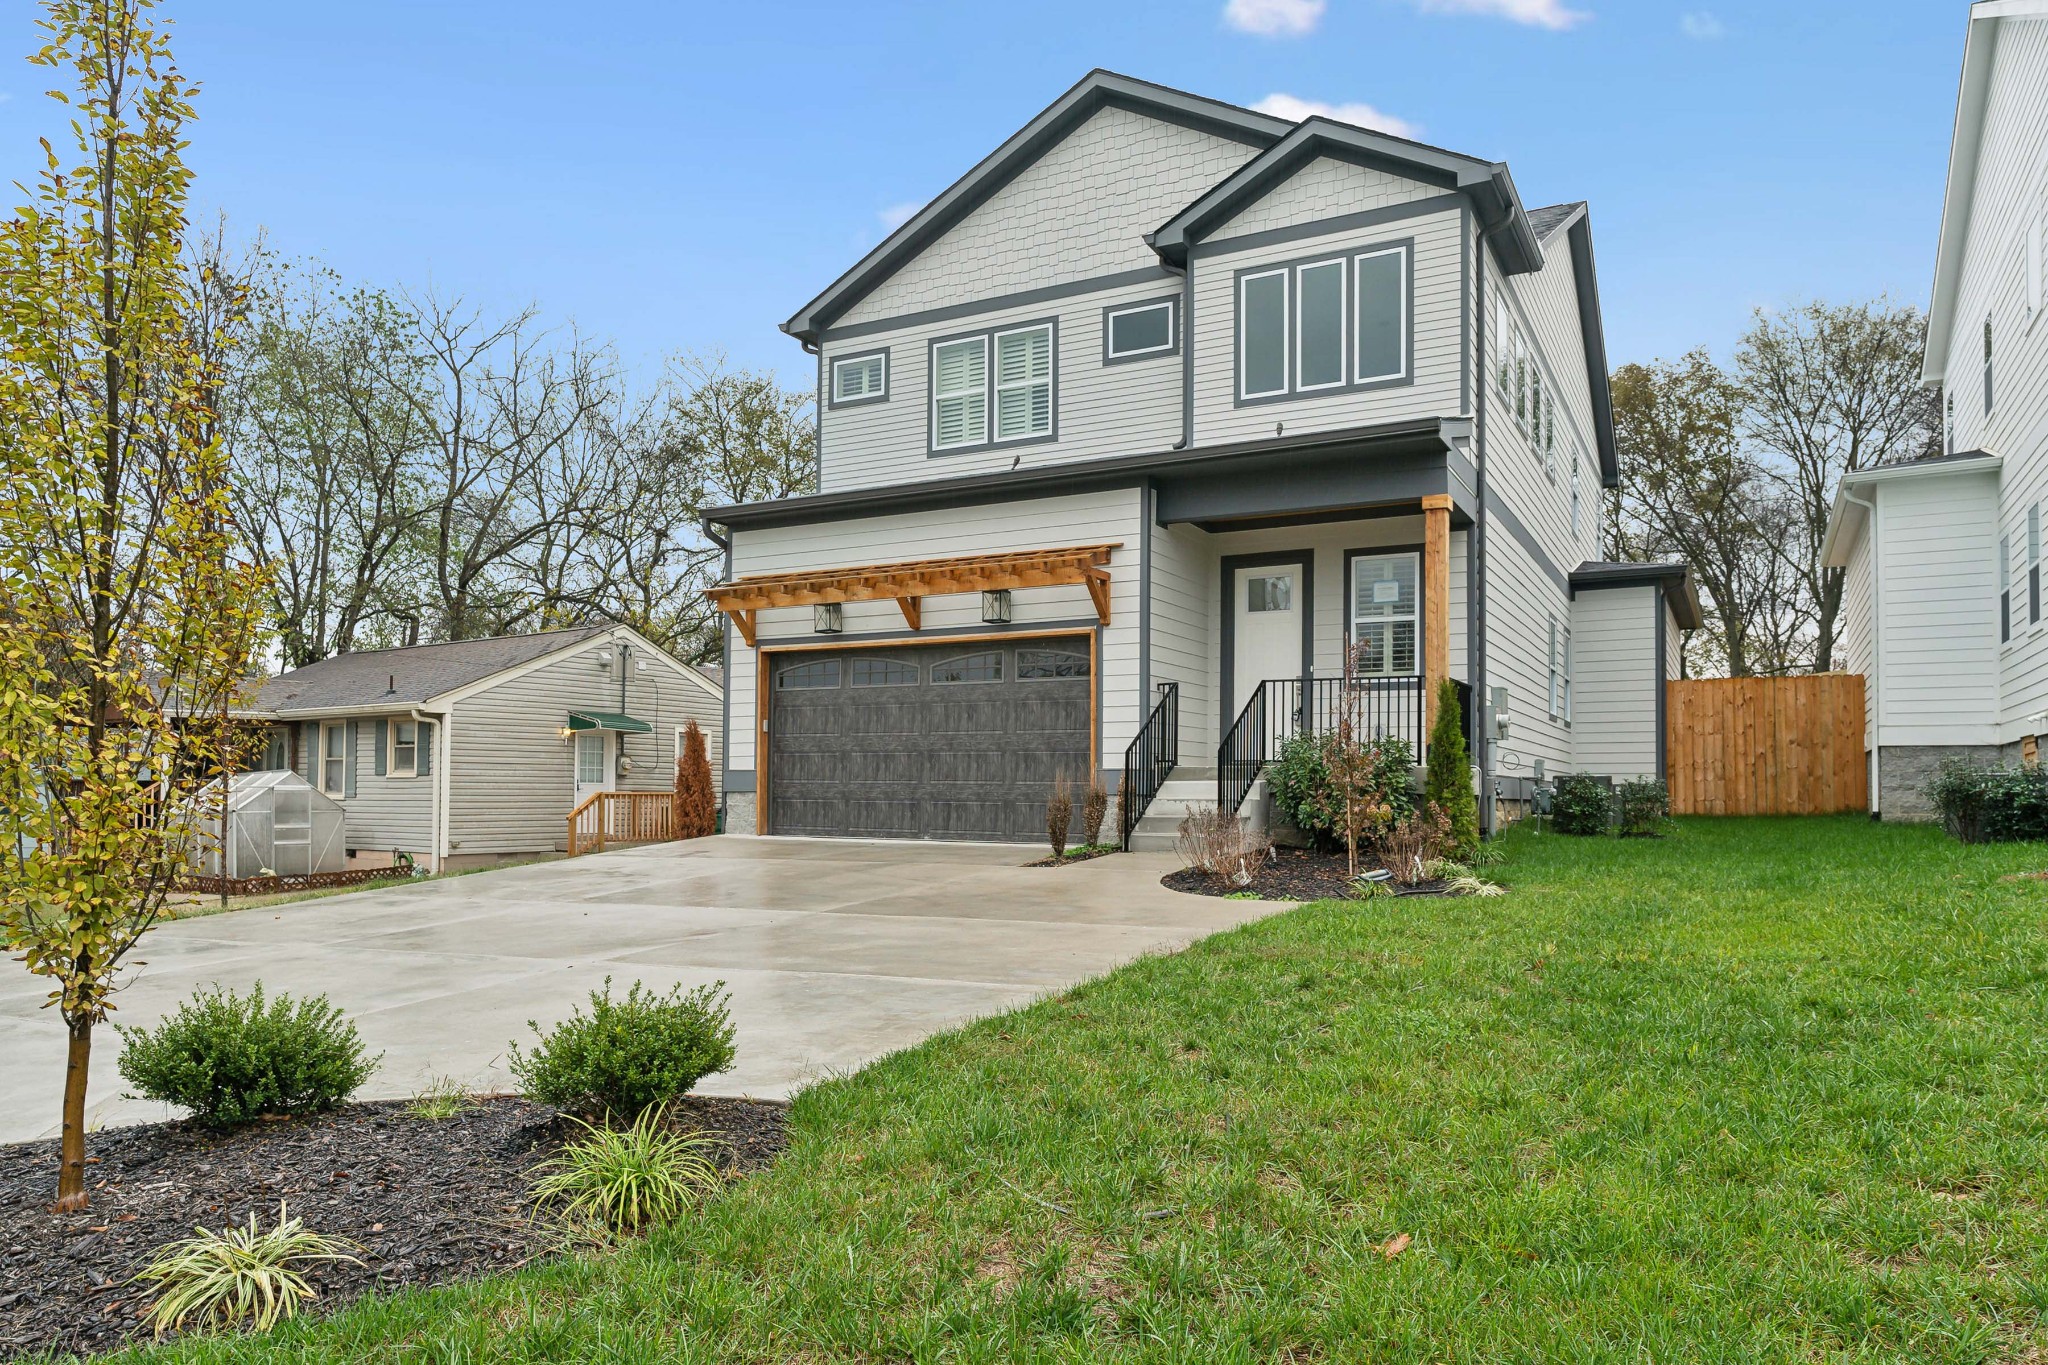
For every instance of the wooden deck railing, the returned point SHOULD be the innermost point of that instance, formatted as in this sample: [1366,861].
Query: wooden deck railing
[608,818]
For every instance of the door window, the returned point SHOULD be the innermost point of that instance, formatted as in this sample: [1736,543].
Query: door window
[1269,592]
[589,758]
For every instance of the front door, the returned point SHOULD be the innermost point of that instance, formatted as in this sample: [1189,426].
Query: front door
[594,766]
[1266,635]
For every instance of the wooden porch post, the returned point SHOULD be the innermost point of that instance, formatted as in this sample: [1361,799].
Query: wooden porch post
[1436,600]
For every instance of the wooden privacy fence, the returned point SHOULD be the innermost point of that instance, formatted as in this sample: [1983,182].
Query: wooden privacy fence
[621,818]
[1766,746]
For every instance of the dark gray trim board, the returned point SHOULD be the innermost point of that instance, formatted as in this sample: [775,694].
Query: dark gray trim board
[1227,568]
[988,336]
[1593,337]
[1669,575]
[738,783]
[1347,256]
[1330,227]
[1023,298]
[1325,482]
[1532,546]
[1147,502]
[1170,302]
[1097,90]
[834,402]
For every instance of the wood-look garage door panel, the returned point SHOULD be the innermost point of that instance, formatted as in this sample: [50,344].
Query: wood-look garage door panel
[872,745]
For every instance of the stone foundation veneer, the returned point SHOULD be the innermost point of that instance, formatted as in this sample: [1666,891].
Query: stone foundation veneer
[739,813]
[1904,770]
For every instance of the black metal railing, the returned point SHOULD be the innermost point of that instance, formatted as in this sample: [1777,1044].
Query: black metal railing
[1152,757]
[1280,708]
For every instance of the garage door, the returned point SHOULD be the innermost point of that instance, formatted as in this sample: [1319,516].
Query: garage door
[957,741]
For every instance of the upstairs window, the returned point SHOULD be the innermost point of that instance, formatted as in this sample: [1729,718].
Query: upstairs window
[1024,383]
[1381,324]
[1324,325]
[860,378]
[960,393]
[1141,330]
[1262,334]
[1319,326]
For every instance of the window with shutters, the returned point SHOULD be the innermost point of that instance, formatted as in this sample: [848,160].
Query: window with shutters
[405,749]
[334,759]
[860,378]
[1024,383]
[960,393]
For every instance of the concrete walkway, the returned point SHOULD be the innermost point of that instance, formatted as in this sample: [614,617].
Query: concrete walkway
[835,953]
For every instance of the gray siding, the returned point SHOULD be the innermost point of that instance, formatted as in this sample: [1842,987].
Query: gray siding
[1324,188]
[1184,632]
[1938,638]
[384,813]
[512,784]
[1615,682]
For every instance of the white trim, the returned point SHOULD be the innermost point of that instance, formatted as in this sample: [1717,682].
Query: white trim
[322,758]
[1109,349]
[997,388]
[1243,318]
[1403,335]
[391,768]
[1352,620]
[865,359]
[987,392]
[1344,323]
[609,637]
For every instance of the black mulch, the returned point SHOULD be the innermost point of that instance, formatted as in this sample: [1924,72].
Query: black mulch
[1294,874]
[428,1200]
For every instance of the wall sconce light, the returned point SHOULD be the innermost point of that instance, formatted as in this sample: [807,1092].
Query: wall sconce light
[995,607]
[564,733]
[828,618]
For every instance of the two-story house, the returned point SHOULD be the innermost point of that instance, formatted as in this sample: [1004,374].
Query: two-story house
[1133,433]
[1941,595]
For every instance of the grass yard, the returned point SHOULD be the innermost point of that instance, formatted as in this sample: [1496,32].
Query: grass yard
[1761,1091]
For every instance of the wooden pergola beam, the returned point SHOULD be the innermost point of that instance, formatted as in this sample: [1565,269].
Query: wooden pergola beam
[908,583]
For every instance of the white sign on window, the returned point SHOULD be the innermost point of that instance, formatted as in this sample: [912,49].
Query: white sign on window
[1385,592]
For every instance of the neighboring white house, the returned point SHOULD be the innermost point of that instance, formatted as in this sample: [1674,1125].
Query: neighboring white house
[464,753]
[1941,606]
[1126,437]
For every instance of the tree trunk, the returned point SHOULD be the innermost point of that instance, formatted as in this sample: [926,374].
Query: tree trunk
[1830,605]
[71,1167]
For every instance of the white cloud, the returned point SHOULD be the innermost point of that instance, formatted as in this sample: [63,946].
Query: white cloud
[1702,26]
[896,215]
[1551,14]
[1274,18]
[1294,109]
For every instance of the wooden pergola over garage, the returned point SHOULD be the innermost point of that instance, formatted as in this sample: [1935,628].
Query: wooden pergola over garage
[910,582]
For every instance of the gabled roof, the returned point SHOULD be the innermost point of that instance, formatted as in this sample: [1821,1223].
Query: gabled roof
[1848,516]
[1576,222]
[1980,46]
[1548,222]
[408,676]
[1488,182]
[1096,90]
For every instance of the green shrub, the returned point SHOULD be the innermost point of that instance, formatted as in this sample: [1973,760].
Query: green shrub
[240,1276]
[628,1179]
[1995,804]
[627,1056]
[1447,781]
[1303,792]
[1583,804]
[231,1059]
[1641,807]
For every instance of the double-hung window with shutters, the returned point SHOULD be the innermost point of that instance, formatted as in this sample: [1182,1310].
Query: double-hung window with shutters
[862,378]
[997,387]
[334,759]
[1325,324]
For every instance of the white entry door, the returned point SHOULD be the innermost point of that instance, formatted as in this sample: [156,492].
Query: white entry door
[1266,636]
[594,766]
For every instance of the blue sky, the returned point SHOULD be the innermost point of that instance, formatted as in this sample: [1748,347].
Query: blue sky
[684,176]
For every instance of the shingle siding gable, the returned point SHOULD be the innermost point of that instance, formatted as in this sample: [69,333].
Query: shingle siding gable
[1324,188]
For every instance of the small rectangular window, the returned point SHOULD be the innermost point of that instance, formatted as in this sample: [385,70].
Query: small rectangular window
[1269,592]
[334,759]
[1319,325]
[1024,383]
[405,749]
[1382,323]
[861,378]
[1146,329]
[1262,334]
[960,393]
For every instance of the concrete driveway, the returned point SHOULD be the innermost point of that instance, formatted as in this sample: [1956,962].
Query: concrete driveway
[835,953]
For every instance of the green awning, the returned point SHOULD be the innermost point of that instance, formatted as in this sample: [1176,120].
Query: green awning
[608,720]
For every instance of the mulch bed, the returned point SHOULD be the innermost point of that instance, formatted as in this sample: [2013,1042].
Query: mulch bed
[428,1200]
[1293,874]
[1077,856]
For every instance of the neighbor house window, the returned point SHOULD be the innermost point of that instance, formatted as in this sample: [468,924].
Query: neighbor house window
[1565,708]
[861,378]
[1319,326]
[1386,622]
[1140,330]
[1560,670]
[1024,383]
[1577,499]
[1382,315]
[589,758]
[2004,589]
[405,749]
[334,759]
[1988,392]
[960,393]
[2034,564]
[1262,334]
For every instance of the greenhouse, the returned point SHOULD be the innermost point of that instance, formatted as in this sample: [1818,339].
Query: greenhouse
[277,825]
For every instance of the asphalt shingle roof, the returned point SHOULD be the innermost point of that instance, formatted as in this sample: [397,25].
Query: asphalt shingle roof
[1545,221]
[407,676]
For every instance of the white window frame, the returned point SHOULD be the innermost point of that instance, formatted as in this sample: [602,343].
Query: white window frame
[1415,616]
[1405,332]
[1168,306]
[840,364]
[986,390]
[1343,323]
[997,388]
[339,791]
[391,768]
[1556,677]
[1990,387]
[1244,283]
[1578,498]
[1565,714]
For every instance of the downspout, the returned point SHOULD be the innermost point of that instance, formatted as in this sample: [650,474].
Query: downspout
[1185,323]
[818,427]
[1876,657]
[440,792]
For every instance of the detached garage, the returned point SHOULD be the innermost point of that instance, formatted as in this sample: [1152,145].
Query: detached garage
[957,740]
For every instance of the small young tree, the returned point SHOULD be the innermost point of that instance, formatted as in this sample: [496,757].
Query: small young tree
[1356,762]
[129,621]
[696,804]
[1094,808]
[1059,814]
[1447,777]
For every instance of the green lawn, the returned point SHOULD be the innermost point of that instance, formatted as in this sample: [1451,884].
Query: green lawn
[1763,1090]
